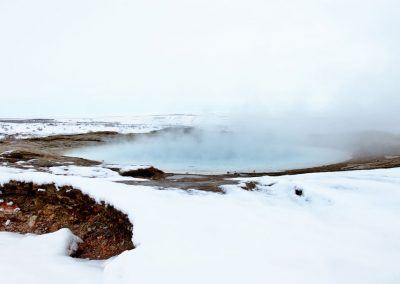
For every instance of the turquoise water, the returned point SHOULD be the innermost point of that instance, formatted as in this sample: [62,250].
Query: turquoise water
[213,152]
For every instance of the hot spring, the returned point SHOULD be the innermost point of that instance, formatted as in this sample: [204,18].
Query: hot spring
[199,151]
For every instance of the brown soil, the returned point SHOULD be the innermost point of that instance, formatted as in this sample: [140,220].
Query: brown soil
[186,182]
[41,160]
[40,209]
[250,186]
[149,173]
[44,152]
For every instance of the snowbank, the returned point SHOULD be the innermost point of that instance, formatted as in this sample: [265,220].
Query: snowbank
[44,259]
[91,172]
[343,229]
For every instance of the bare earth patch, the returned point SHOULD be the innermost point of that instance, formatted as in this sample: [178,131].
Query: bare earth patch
[40,209]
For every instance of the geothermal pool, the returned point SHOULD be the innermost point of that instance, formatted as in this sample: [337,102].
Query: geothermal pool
[213,152]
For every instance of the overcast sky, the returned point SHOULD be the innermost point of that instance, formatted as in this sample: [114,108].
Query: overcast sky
[322,57]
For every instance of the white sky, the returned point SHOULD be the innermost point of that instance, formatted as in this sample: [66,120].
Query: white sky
[75,57]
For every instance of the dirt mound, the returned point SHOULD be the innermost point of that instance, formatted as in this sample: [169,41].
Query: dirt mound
[39,209]
[16,156]
[151,173]
[21,158]
[99,136]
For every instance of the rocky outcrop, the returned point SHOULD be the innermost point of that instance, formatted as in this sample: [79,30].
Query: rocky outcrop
[40,209]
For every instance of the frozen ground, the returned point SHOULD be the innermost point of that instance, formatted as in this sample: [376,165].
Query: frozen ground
[344,229]
[24,128]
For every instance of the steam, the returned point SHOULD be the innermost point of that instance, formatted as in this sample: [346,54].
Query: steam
[219,148]
[214,150]
[300,68]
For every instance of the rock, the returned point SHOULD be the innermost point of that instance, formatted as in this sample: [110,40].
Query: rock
[9,208]
[250,186]
[298,191]
[32,221]
[149,173]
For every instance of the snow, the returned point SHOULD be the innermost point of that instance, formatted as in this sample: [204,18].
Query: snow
[124,169]
[121,124]
[44,259]
[92,172]
[344,229]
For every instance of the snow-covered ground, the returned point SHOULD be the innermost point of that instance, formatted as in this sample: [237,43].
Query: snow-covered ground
[122,124]
[345,229]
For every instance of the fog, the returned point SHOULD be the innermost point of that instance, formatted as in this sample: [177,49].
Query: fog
[302,66]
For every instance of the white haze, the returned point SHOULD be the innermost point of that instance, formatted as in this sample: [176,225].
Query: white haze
[321,63]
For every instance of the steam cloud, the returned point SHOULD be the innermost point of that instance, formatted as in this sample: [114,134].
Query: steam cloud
[299,66]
